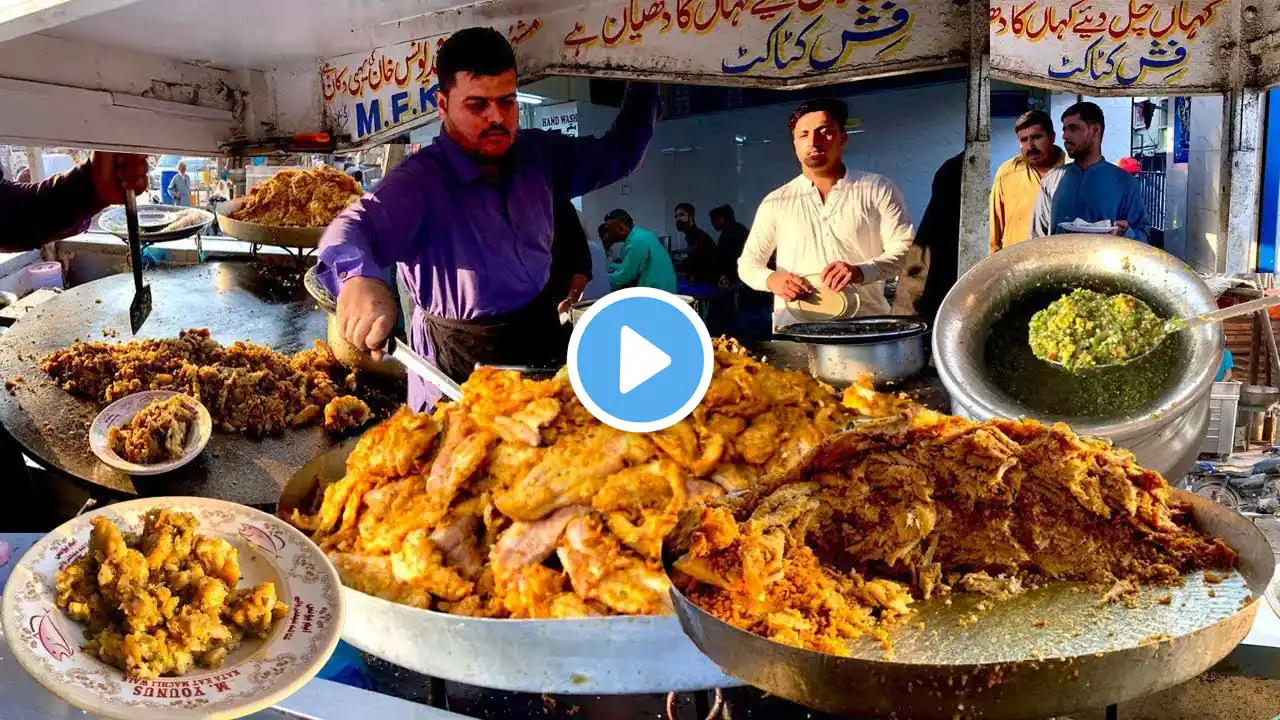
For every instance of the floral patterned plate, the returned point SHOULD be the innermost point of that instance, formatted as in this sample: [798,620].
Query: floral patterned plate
[123,410]
[257,675]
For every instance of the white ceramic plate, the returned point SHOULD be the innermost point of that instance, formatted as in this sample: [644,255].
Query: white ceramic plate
[1073,227]
[122,411]
[259,674]
[830,305]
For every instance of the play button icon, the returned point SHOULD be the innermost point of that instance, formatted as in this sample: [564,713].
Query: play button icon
[640,359]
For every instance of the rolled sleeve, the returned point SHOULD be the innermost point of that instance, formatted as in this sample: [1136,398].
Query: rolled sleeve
[583,164]
[38,213]
[377,231]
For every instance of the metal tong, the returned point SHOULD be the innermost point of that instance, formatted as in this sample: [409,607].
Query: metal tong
[418,365]
[140,307]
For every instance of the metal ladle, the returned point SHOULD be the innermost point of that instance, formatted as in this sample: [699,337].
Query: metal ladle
[418,365]
[1176,324]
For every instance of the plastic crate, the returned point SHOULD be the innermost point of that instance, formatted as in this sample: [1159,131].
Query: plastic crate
[1224,400]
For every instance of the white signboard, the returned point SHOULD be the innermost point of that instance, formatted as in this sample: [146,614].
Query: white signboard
[562,118]
[777,43]
[1121,46]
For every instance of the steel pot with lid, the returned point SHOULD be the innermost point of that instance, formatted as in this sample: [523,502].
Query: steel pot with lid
[1162,413]
[887,347]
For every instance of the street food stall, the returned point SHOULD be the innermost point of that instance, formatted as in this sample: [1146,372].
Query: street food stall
[591,625]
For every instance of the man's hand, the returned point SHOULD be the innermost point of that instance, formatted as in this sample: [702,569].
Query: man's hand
[1120,228]
[366,314]
[788,286]
[113,173]
[839,275]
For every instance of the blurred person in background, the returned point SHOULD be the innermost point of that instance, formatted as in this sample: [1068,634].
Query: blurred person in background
[180,186]
[733,237]
[939,233]
[1017,182]
[703,268]
[644,263]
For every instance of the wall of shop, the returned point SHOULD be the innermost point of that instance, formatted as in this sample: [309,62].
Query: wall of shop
[738,157]
[1206,251]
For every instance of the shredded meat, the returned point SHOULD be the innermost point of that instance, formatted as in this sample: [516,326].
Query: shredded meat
[158,433]
[246,388]
[838,547]
[300,198]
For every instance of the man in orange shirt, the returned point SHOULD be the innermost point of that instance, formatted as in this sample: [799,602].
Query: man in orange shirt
[1017,183]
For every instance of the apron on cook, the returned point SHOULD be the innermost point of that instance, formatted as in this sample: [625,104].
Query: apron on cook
[531,335]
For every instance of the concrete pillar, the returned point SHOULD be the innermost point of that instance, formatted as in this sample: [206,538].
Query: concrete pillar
[975,189]
[1243,112]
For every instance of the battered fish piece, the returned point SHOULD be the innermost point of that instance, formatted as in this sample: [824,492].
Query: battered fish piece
[162,601]
[516,503]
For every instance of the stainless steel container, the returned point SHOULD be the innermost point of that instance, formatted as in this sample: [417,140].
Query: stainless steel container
[1167,434]
[1259,395]
[888,348]
[579,309]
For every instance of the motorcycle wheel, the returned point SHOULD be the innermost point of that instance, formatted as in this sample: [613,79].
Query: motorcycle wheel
[1220,493]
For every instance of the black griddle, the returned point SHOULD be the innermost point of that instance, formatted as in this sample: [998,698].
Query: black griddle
[235,301]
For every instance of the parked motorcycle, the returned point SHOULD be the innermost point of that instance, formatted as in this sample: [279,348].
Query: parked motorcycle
[1255,489]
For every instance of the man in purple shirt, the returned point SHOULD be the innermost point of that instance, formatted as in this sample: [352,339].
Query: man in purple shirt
[469,222]
[32,214]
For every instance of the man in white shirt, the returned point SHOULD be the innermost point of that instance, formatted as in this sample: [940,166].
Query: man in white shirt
[850,227]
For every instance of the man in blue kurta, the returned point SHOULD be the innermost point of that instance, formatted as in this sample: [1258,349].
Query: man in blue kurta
[1090,188]
[469,221]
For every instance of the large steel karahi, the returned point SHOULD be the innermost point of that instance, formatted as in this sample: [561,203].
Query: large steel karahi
[921,564]
[1165,431]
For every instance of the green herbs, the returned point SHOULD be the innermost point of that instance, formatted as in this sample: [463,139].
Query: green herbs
[1045,389]
[1085,329]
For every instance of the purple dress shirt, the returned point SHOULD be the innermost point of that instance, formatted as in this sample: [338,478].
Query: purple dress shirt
[467,248]
[32,214]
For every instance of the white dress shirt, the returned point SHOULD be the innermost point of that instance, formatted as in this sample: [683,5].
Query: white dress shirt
[864,222]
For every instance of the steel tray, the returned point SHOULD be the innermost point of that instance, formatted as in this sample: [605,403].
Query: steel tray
[592,656]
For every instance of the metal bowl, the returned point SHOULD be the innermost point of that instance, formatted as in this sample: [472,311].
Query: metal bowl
[888,348]
[277,236]
[345,352]
[580,308]
[1259,395]
[1165,435]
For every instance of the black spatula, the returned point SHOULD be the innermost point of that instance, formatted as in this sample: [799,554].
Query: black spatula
[140,308]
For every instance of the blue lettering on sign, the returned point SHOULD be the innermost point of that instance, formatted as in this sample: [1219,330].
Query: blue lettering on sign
[427,98]
[399,106]
[368,118]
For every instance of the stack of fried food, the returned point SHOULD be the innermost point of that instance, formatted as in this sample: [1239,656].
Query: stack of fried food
[164,600]
[246,388]
[516,502]
[300,198]
[902,506]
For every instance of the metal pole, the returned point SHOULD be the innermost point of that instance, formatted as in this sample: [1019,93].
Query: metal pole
[1243,112]
[975,185]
